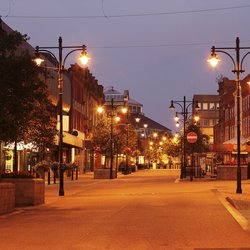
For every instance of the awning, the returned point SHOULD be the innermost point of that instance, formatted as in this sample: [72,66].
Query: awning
[70,140]
[243,140]
[229,148]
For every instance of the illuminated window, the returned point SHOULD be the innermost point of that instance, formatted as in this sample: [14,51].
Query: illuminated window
[205,105]
[211,106]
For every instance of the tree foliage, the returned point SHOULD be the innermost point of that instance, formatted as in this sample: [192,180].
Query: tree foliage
[26,112]
[121,137]
[201,145]
[169,146]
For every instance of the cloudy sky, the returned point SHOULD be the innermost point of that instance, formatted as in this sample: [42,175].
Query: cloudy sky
[155,48]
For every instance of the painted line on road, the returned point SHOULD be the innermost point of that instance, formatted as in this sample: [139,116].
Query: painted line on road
[243,222]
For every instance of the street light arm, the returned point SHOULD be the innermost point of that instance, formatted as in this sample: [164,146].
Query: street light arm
[78,49]
[243,58]
[48,52]
[224,52]
[177,102]
[186,111]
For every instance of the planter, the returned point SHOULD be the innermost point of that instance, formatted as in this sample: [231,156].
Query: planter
[7,197]
[104,173]
[28,191]
[229,172]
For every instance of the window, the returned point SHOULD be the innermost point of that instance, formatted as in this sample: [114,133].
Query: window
[205,106]
[211,122]
[231,131]
[211,106]
[226,133]
[231,113]
[245,103]
[217,105]
[205,122]
[226,114]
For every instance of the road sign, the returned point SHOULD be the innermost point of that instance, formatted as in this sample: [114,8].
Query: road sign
[192,137]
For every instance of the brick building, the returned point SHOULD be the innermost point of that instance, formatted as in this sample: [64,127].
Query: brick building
[85,97]
[225,132]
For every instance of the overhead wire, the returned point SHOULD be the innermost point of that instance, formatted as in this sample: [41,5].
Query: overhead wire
[161,45]
[129,15]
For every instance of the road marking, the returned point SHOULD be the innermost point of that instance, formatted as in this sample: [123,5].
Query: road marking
[177,180]
[243,222]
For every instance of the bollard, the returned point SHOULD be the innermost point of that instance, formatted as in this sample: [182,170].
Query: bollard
[72,174]
[76,173]
[54,179]
[48,177]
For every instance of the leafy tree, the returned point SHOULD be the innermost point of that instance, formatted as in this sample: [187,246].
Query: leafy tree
[167,145]
[153,153]
[172,146]
[102,137]
[26,112]
[127,138]
[202,142]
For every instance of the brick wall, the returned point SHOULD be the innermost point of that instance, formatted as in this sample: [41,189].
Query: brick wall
[229,172]
[7,197]
[104,173]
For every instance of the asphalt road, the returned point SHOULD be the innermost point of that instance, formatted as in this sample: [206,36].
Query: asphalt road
[144,210]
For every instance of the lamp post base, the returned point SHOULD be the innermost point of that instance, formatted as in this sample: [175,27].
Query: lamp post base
[61,192]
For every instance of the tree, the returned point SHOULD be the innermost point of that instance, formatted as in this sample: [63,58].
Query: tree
[202,142]
[102,137]
[167,145]
[172,146]
[26,112]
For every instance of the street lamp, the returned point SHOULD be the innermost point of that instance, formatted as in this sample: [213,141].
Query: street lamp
[184,105]
[59,67]
[113,116]
[137,119]
[237,69]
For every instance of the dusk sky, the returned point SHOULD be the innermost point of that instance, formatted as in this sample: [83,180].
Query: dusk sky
[157,49]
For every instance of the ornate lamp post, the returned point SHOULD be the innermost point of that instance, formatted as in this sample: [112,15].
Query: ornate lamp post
[113,117]
[137,120]
[59,67]
[184,105]
[237,69]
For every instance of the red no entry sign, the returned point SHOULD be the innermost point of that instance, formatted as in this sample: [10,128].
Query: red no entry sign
[192,137]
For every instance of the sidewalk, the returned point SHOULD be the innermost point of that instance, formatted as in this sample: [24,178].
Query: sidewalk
[71,187]
[237,204]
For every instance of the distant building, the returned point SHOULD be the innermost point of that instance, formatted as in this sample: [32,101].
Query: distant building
[135,110]
[145,126]
[208,113]
[120,99]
